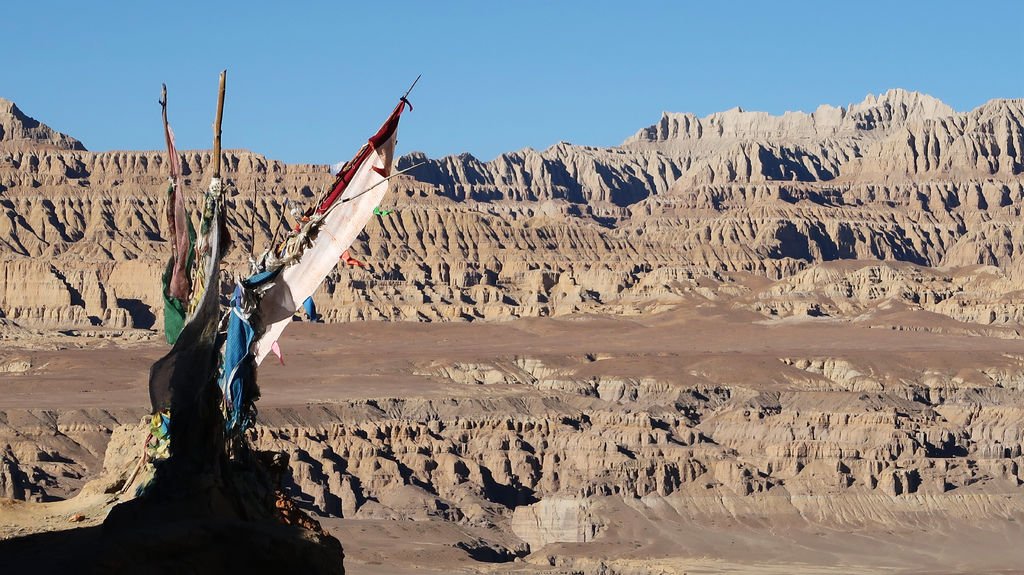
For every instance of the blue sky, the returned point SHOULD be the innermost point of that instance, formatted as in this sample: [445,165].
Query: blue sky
[310,83]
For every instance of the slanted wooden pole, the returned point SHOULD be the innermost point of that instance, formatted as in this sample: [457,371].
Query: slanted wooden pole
[409,91]
[216,125]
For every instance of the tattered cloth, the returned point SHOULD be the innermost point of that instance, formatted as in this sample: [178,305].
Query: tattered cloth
[310,309]
[174,307]
[330,227]
[237,371]
[183,380]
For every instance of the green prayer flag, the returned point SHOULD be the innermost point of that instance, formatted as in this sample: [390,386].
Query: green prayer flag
[174,308]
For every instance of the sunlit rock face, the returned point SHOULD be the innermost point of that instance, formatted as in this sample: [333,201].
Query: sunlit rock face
[899,177]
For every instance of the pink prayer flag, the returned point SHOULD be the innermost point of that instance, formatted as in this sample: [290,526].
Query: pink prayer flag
[274,347]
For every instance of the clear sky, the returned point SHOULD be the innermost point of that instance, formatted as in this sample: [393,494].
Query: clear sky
[309,81]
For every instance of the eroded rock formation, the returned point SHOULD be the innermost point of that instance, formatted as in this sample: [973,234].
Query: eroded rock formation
[896,215]
[897,177]
[538,457]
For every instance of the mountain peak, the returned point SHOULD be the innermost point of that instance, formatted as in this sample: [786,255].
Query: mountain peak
[886,110]
[20,131]
[895,108]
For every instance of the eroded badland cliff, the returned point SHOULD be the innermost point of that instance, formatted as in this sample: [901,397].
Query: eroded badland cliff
[897,178]
[743,339]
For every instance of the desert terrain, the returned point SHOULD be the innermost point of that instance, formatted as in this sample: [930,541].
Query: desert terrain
[737,343]
[697,440]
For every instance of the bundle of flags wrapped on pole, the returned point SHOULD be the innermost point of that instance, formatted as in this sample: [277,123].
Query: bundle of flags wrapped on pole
[216,349]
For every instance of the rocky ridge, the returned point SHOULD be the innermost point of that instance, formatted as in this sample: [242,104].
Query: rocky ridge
[688,205]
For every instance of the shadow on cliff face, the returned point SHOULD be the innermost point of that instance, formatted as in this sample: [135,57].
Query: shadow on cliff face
[511,496]
[479,550]
[141,314]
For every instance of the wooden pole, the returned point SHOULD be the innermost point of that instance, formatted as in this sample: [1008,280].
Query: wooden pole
[277,230]
[163,109]
[216,125]
[252,221]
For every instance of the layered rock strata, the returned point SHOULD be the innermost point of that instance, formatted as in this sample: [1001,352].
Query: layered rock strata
[553,440]
[897,177]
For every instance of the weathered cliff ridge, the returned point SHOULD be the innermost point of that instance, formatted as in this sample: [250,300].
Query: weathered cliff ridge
[899,177]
